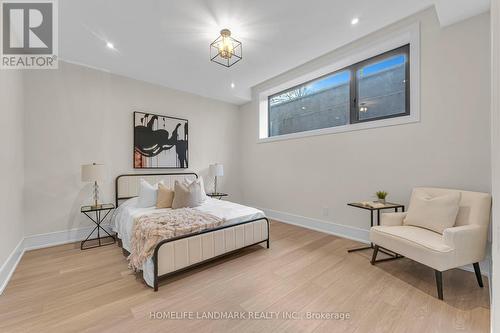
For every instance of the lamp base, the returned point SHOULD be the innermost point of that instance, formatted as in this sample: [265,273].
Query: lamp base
[96,204]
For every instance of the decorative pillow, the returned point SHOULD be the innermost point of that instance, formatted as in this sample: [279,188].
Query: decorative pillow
[203,194]
[186,196]
[433,213]
[165,197]
[147,194]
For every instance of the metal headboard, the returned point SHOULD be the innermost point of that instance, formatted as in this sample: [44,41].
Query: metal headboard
[127,185]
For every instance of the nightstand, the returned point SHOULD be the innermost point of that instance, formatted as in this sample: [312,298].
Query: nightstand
[371,209]
[217,195]
[98,211]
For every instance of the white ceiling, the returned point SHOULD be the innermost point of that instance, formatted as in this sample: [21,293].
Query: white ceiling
[167,42]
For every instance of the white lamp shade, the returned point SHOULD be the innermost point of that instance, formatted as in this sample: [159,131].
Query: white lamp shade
[217,169]
[93,173]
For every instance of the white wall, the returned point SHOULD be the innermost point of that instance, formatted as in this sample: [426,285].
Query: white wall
[11,166]
[77,115]
[495,164]
[316,176]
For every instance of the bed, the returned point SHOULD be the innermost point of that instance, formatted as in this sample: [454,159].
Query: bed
[243,227]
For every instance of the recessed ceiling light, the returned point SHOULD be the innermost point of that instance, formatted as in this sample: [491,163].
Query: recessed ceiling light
[232,84]
[355,21]
[110,45]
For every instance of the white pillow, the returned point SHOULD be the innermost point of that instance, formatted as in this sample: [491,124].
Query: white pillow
[186,195]
[147,194]
[203,194]
[130,202]
[433,213]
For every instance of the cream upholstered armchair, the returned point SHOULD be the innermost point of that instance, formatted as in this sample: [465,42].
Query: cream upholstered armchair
[442,248]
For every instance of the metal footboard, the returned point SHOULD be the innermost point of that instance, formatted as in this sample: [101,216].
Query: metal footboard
[207,231]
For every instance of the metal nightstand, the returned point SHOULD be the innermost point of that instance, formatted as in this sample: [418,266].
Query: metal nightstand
[106,209]
[388,205]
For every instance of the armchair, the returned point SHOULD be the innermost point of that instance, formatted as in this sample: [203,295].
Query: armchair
[462,244]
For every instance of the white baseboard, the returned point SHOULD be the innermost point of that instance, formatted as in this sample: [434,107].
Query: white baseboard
[345,231]
[10,265]
[59,237]
[41,241]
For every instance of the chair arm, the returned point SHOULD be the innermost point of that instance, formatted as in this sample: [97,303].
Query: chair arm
[392,219]
[466,235]
[469,242]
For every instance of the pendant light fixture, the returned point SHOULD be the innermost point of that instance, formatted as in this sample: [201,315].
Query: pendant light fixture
[225,50]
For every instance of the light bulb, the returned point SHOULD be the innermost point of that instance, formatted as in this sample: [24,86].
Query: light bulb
[225,46]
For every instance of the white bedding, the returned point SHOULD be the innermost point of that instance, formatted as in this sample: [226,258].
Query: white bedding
[123,219]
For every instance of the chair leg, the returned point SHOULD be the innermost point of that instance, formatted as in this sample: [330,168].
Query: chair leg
[439,283]
[479,277]
[374,256]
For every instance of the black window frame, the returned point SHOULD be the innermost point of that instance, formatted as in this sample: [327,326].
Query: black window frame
[353,88]
[354,116]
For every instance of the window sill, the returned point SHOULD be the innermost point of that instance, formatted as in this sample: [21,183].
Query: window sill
[346,128]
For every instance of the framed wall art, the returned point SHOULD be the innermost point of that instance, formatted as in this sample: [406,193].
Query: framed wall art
[160,142]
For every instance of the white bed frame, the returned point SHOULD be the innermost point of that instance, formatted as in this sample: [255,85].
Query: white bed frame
[178,254]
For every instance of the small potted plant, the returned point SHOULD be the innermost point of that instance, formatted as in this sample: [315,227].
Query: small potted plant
[381,195]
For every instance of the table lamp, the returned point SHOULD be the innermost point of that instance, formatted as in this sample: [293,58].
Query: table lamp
[94,173]
[217,170]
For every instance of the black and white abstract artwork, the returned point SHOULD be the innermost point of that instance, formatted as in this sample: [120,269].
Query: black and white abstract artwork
[160,142]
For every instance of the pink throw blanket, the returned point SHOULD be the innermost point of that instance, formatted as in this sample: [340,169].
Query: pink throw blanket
[151,228]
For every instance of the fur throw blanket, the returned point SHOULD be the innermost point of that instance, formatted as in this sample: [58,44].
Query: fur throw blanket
[151,228]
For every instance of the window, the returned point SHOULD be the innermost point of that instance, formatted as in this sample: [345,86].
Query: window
[373,89]
[382,86]
[320,103]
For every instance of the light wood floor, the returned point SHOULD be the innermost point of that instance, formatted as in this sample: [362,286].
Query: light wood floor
[63,289]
